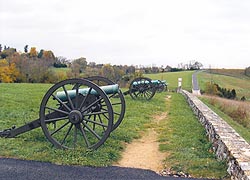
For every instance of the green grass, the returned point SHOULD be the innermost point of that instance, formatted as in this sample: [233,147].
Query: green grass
[181,135]
[241,85]
[19,104]
[172,79]
[184,139]
[239,73]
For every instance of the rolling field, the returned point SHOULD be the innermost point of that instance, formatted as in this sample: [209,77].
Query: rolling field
[172,79]
[19,104]
[236,81]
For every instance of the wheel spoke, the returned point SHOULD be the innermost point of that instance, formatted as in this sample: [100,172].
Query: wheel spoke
[83,134]
[58,110]
[65,124]
[69,99]
[105,110]
[96,113]
[95,122]
[77,95]
[85,98]
[66,135]
[118,103]
[91,130]
[112,95]
[55,119]
[90,105]
[59,100]
[100,119]
[75,136]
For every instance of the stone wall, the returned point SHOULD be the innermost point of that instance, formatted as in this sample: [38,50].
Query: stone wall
[227,144]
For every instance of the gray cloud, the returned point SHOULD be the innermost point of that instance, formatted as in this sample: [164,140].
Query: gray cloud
[158,32]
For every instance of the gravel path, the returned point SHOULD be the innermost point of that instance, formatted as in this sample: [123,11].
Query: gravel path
[14,169]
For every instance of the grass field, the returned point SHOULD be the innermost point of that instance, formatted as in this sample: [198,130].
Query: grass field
[19,104]
[172,79]
[236,81]
[238,73]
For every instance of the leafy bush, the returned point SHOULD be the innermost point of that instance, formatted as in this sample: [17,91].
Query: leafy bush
[215,89]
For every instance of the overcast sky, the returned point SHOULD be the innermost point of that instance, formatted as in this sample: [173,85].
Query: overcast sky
[133,32]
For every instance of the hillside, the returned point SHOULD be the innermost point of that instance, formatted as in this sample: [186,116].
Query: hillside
[238,73]
[230,79]
[172,79]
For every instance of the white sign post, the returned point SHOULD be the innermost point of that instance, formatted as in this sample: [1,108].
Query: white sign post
[179,84]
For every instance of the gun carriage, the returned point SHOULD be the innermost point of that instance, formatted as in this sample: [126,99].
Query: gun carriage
[77,112]
[83,112]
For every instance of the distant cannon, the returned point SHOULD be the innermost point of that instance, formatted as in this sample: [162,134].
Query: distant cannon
[160,85]
[77,113]
[144,88]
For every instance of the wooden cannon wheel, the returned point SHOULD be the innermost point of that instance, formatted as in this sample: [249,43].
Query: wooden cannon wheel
[117,99]
[80,119]
[142,88]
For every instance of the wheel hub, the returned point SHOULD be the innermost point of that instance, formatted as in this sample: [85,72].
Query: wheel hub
[75,116]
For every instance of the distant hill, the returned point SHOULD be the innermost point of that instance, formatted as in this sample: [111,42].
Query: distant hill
[239,73]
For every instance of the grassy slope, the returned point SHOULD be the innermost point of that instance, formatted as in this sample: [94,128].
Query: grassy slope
[239,73]
[172,79]
[234,79]
[240,84]
[243,131]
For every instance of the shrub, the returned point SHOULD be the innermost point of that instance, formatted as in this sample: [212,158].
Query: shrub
[214,89]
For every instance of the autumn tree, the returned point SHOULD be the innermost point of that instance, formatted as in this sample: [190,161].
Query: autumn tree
[7,52]
[48,55]
[108,72]
[78,66]
[211,88]
[8,72]
[33,52]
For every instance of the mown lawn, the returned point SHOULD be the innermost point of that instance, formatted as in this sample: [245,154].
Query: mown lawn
[172,79]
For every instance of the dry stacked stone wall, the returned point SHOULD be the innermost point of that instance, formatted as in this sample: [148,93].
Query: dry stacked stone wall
[227,143]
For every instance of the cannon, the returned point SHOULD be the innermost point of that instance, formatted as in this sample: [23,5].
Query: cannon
[77,113]
[160,85]
[143,88]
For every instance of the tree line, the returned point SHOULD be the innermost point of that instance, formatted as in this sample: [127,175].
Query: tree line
[34,66]
[39,66]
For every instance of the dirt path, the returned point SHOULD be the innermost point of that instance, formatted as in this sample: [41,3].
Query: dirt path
[143,153]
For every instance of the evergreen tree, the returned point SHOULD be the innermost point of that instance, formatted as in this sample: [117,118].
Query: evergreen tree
[26,49]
